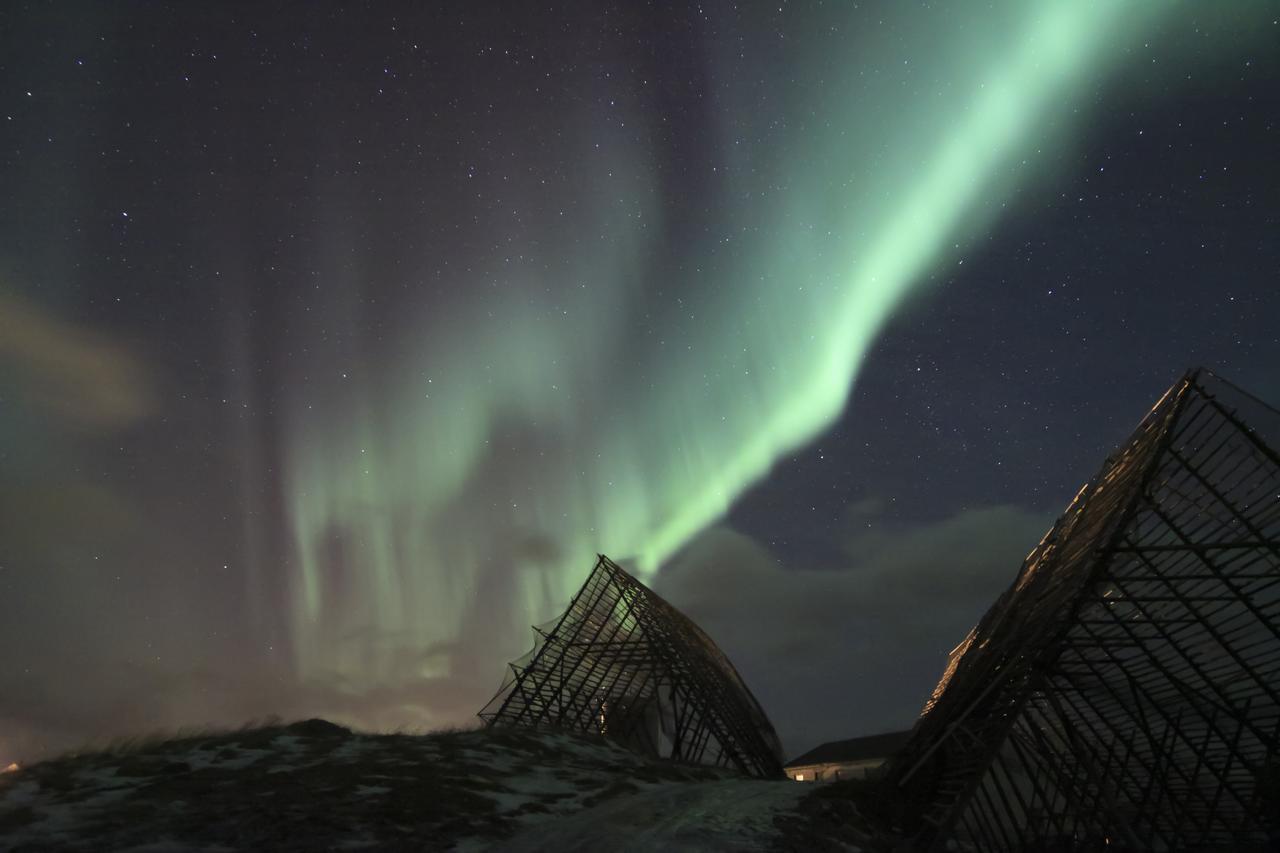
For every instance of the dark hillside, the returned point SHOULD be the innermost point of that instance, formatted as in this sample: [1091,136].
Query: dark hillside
[317,786]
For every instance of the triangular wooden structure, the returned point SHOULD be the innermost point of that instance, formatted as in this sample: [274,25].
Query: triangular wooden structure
[624,663]
[1124,692]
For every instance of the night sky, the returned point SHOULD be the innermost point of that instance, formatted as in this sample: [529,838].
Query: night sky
[335,341]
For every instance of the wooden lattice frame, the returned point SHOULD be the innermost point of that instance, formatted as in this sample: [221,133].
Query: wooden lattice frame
[1124,692]
[623,662]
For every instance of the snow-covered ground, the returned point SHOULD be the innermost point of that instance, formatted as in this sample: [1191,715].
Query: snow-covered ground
[729,814]
[317,786]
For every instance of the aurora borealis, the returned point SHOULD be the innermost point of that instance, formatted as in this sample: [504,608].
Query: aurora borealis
[334,347]
[642,443]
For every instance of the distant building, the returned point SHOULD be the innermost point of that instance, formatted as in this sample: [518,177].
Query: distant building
[856,758]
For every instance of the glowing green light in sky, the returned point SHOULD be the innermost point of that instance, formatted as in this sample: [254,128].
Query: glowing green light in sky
[582,408]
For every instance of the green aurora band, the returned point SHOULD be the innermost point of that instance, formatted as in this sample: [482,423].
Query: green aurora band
[581,409]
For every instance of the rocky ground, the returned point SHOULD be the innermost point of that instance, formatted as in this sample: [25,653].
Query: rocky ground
[315,786]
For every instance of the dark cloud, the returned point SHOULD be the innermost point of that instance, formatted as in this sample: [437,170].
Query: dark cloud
[70,372]
[842,652]
[40,516]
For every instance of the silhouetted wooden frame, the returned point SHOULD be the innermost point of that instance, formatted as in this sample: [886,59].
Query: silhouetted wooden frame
[1124,692]
[623,662]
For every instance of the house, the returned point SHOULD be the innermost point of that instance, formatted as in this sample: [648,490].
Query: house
[856,758]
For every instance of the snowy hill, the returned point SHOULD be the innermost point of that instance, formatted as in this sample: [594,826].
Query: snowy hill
[315,786]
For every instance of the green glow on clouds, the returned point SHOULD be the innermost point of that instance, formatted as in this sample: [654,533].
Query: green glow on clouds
[585,408]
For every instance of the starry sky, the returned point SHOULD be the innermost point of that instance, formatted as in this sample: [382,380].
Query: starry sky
[337,339]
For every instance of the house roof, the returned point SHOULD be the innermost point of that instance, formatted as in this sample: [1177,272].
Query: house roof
[854,749]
